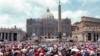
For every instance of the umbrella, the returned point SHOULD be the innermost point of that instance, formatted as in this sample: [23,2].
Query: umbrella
[93,47]
[24,50]
[74,49]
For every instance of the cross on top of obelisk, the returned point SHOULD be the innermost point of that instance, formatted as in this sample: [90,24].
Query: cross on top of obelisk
[59,2]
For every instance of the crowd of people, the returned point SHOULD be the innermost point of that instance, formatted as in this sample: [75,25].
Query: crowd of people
[30,48]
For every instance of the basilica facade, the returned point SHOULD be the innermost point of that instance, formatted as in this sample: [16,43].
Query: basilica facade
[88,29]
[47,26]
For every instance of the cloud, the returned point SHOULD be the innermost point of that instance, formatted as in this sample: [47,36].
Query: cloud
[49,3]
[15,8]
[17,4]
[5,18]
[74,16]
[87,2]
[97,16]
[46,3]
[64,1]
[6,21]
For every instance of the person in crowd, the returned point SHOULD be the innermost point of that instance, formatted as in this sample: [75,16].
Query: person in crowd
[30,48]
[31,52]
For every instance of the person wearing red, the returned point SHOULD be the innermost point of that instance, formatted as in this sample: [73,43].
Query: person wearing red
[36,52]
[39,52]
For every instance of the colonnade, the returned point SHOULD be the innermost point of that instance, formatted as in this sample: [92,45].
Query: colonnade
[9,36]
[92,36]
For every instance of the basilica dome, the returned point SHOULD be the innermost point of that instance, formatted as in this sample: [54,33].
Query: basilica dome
[48,15]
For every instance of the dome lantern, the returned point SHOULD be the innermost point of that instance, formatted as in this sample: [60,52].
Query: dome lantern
[48,10]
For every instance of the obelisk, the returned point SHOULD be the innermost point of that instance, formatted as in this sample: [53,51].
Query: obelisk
[59,22]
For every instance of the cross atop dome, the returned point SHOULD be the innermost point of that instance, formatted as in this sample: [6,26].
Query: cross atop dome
[48,10]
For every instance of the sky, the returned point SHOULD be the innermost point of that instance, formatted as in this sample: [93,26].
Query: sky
[16,12]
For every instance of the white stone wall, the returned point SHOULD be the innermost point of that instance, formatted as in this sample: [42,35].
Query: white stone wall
[78,37]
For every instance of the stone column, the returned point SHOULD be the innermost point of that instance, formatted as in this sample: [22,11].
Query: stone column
[8,36]
[96,36]
[92,36]
[0,35]
[85,36]
[11,36]
[17,37]
[4,36]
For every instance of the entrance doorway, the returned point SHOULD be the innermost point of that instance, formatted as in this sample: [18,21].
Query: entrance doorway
[89,37]
[15,36]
